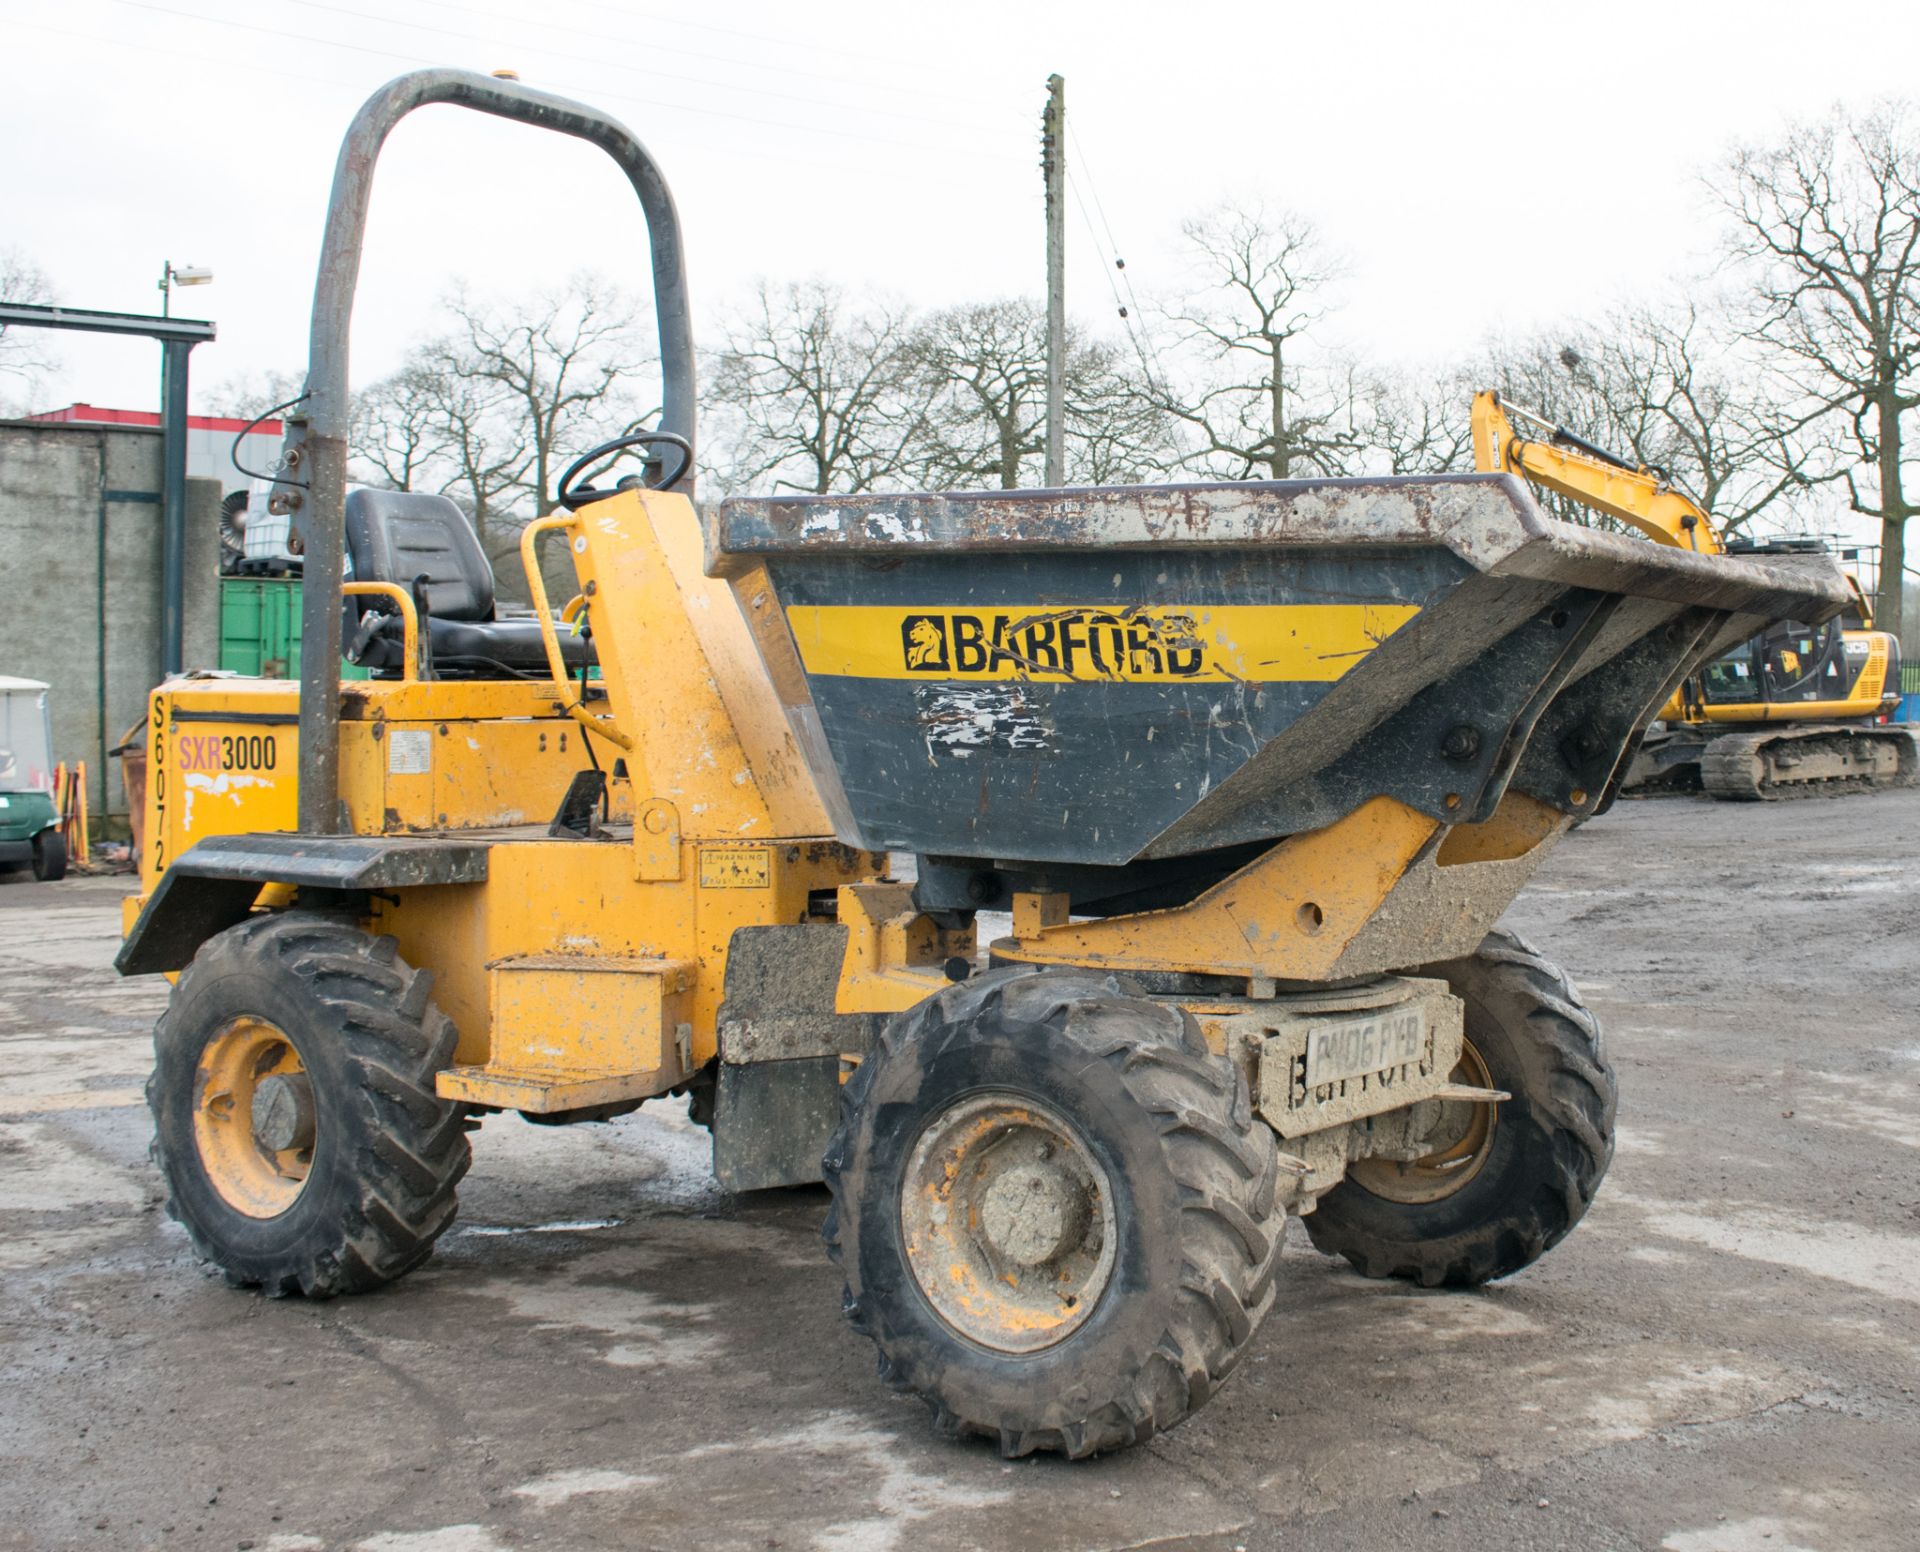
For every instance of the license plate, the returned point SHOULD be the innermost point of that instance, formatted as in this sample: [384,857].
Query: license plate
[1353,1047]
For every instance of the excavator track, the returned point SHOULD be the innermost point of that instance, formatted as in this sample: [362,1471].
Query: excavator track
[1812,761]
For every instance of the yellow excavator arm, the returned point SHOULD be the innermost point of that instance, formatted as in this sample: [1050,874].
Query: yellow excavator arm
[1575,468]
[1827,683]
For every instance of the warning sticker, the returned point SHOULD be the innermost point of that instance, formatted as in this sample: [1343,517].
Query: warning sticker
[735,867]
[409,752]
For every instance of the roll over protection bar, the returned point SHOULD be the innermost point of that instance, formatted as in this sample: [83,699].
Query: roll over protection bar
[313,479]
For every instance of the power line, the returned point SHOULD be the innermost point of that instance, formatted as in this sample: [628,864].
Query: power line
[611,64]
[1086,166]
[1136,335]
[417,60]
[868,84]
[784,40]
[356,90]
[145,46]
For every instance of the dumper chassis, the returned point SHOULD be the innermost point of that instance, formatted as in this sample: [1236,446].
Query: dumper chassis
[1253,768]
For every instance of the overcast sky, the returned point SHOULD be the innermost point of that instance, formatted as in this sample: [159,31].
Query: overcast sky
[1484,167]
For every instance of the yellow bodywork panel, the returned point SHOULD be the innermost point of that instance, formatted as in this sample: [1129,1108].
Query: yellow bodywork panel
[710,744]
[1285,916]
[571,1031]
[546,903]
[1866,697]
[683,677]
[224,758]
[582,971]
[895,955]
[1519,824]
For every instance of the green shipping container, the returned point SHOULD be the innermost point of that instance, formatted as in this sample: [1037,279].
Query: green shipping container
[260,628]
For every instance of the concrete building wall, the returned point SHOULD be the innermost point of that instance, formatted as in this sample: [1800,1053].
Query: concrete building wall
[80,581]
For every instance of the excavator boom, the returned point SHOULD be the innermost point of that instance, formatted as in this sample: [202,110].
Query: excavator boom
[1796,710]
[1571,466]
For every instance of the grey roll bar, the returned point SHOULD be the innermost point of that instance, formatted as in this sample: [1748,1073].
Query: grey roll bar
[312,482]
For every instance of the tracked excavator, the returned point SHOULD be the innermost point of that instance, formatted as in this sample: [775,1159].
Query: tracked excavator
[1797,711]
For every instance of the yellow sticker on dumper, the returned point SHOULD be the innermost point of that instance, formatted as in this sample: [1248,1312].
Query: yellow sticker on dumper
[1147,644]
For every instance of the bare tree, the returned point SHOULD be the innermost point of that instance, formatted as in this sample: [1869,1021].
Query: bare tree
[487,410]
[1116,433]
[25,354]
[1417,424]
[1665,386]
[1256,404]
[814,394]
[1826,227]
[483,453]
[399,429]
[1686,402]
[247,394]
[557,365]
[983,367]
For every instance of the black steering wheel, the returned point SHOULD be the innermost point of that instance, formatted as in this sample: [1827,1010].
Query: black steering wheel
[574,497]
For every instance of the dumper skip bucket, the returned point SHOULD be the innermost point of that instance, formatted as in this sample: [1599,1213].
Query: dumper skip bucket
[1110,675]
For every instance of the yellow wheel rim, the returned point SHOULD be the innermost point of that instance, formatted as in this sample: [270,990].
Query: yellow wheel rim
[1464,1138]
[1007,1219]
[253,1117]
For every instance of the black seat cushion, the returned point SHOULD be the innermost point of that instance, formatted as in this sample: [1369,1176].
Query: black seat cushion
[479,649]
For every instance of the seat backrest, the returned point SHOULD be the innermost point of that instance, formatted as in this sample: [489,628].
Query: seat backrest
[397,535]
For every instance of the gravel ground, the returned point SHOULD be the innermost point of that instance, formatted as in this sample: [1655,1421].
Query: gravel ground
[609,1351]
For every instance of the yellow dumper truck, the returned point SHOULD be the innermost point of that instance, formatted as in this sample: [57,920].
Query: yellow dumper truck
[1251,769]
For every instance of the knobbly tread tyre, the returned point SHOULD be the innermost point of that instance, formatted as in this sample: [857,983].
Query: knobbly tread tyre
[1194,1277]
[1549,1151]
[388,1152]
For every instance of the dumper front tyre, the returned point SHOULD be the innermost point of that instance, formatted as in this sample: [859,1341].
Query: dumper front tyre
[1504,1182]
[1055,1211]
[295,1118]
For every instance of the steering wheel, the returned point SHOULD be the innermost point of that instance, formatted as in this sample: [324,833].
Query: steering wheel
[574,497]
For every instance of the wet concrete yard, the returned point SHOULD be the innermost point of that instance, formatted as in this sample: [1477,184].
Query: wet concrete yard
[609,1351]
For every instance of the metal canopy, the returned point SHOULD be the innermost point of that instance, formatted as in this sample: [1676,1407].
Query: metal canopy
[177,337]
[191,331]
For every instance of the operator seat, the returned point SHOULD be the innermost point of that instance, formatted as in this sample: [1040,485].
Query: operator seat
[402,537]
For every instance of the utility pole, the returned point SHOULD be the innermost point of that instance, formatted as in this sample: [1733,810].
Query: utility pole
[1053,162]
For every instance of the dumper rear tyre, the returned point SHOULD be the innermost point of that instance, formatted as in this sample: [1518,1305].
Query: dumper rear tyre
[1055,1211]
[295,1118]
[1519,1175]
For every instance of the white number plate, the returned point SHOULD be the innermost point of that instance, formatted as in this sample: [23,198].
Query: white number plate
[1354,1047]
